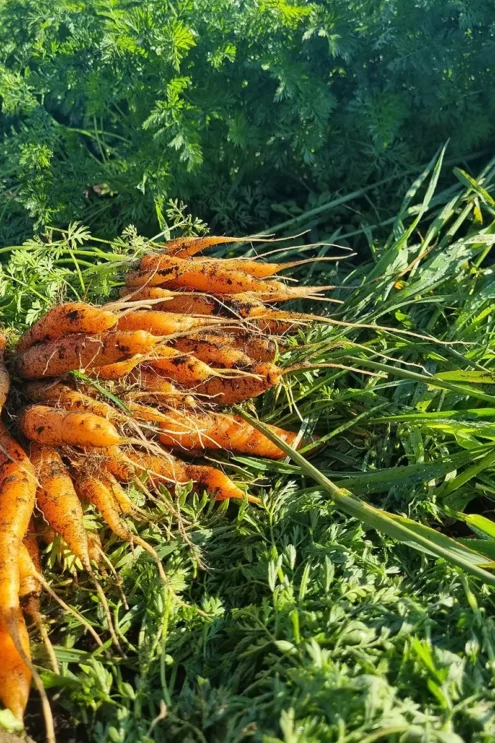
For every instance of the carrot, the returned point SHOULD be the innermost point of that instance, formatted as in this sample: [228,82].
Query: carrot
[152,381]
[254,345]
[58,357]
[73,317]
[256,268]
[98,492]
[52,427]
[72,400]
[217,352]
[4,375]
[29,587]
[184,303]
[161,323]
[124,504]
[179,367]
[116,463]
[187,246]
[231,391]
[112,372]
[58,501]
[17,495]
[220,431]
[168,470]
[15,676]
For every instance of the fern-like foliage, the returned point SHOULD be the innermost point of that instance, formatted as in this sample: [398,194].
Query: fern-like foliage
[109,108]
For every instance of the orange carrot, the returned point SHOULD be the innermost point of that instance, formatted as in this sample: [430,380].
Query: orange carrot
[52,427]
[73,317]
[184,303]
[58,501]
[254,345]
[17,494]
[256,268]
[231,391]
[71,400]
[215,353]
[162,323]
[112,372]
[220,431]
[82,352]
[4,375]
[15,676]
[188,246]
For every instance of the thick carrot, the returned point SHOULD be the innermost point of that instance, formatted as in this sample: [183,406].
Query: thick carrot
[220,431]
[71,400]
[4,375]
[73,317]
[256,268]
[52,427]
[82,352]
[58,501]
[254,345]
[17,495]
[184,303]
[231,391]
[162,323]
[15,676]
[216,353]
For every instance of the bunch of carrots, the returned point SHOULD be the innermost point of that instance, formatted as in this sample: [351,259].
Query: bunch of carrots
[131,391]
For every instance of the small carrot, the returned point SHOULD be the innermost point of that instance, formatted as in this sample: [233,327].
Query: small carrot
[220,431]
[15,676]
[72,317]
[116,463]
[217,483]
[58,501]
[52,427]
[184,303]
[188,246]
[180,367]
[162,323]
[4,375]
[113,372]
[82,352]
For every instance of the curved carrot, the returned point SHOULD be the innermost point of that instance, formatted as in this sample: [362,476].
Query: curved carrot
[220,431]
[4,375]
[17,495]
[15,676]
[112,372]
[184,303]
[72,317]
[213,352]
[58,501]
[82,352]
[162,323]
[52,427]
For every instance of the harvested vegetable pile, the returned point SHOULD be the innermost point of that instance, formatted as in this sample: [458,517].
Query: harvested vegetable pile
[131,391]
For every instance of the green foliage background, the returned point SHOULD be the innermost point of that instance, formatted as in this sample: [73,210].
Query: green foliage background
[111,107]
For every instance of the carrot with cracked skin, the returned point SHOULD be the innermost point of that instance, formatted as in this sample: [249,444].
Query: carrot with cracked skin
[72,317]
[4,375]
[17,496]
[220,431]
[53,427]
[162,323]
[58,501]
[15,676]
[80,352]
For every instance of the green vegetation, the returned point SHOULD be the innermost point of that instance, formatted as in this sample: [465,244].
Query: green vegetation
[109,108]
[296,622]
